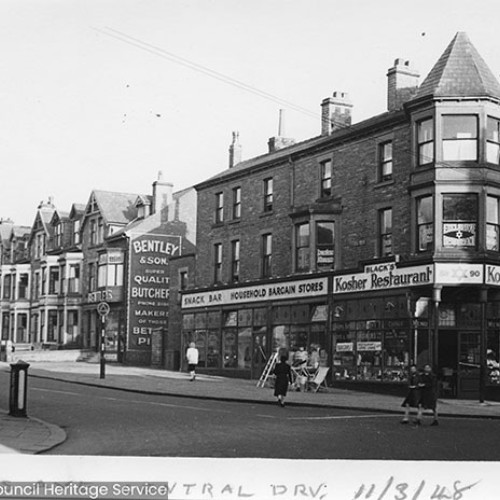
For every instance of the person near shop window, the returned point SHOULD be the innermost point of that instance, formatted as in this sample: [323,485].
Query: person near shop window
[412,399]
[428,395]
[192,356]
[283,374]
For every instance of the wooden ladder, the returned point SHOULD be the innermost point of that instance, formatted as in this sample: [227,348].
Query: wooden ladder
[268,369]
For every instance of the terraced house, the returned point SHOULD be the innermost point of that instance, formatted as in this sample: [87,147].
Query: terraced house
[375,244]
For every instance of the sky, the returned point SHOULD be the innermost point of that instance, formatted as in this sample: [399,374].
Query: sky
[104,94]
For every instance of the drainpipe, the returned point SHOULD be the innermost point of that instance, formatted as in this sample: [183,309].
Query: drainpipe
[483,299]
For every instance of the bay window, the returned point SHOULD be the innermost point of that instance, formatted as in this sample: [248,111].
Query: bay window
[492,223]
[459,137]
[425,223]
[325,252]
[460,214]
[302,250]
[425,141]
[493,140]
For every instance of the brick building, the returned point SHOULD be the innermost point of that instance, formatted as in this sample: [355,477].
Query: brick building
[127,241]
[374,244]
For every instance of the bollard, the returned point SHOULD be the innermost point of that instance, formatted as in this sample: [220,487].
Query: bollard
[18,389]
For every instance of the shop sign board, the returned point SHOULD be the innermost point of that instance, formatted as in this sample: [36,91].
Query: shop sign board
[451,273]
[270,291]
[148,286]
[344,347]
[492,275]
[383,277]
[109,294]
[459,234]
[369,346]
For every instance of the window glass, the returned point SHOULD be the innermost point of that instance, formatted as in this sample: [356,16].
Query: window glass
[459,220]
[385,228]
[219,207]
[230,348]
[326,179]
[236,203]
[267,248]
[492,224]
[459,137]
[425,141]
[385,167]
[425,223]
[302,246]
[325,249]
[268,194]
[493,140]
[235,260]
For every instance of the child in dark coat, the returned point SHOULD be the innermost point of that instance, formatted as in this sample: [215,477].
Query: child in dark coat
[283,374]
[412,399]
[428,394]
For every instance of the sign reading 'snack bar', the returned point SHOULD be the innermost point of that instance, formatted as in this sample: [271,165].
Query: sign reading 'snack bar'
[382,278]
[269,291]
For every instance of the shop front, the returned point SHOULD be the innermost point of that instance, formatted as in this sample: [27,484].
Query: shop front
[444,314]
[237,329]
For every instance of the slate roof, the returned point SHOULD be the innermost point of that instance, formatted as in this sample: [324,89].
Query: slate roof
[460,72]
[117,208]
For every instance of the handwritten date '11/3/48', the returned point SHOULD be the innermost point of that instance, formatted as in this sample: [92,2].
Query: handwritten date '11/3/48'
[394,490]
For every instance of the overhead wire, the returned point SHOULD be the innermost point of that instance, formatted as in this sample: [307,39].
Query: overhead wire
[159,51]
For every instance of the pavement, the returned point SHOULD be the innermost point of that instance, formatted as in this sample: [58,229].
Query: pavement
[31,435]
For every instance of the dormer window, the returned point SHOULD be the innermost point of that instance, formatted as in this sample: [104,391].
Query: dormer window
[459,137]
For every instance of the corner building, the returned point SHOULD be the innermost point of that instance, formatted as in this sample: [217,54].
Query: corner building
[376,242]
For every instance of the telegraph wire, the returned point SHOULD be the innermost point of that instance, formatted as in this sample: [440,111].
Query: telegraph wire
[170,56]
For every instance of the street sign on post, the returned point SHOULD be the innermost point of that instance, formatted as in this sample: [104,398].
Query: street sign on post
[103,310]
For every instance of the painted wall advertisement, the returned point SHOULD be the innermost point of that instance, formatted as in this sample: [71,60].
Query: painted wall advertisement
[148,288]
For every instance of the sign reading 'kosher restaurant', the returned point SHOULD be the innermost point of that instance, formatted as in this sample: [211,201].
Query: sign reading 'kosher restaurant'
[382,277]
[268,291]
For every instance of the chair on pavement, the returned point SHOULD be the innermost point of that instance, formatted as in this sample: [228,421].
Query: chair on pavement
[319,378]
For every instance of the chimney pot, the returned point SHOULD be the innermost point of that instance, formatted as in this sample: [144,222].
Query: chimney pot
[335,112]
[235,150]
[402,84]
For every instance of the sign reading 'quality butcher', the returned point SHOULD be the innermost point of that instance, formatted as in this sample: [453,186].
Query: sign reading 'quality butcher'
[149,286]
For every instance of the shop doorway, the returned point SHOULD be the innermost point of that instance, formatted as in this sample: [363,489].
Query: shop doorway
[448,362]
[458,364]
[259,352]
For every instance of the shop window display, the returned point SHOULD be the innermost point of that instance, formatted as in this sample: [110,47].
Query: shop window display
[213,349]
[230,348]
[244,348]
[371,350]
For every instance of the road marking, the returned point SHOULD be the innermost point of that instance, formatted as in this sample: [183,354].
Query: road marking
[54,390]
[178,406]
[329,417]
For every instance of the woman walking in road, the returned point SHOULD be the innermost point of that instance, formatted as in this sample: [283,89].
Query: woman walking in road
[412,399]
[283,374]
[192,359]
[428,394]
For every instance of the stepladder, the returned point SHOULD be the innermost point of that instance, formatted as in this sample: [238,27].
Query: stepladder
[268,369]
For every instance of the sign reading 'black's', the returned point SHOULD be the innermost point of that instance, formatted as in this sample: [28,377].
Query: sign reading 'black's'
[149,286]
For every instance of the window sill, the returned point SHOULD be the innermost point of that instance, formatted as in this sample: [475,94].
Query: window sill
[234,221]
[267,214]
[382,184]
[217,224]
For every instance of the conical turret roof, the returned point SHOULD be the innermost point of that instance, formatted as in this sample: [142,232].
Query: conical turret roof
[460,72]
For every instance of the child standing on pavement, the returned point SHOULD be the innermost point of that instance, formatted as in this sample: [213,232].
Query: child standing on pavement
[428,394]
[192,356]
[412,399]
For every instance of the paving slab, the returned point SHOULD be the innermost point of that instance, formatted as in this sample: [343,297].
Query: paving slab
[28,435]
[163,382]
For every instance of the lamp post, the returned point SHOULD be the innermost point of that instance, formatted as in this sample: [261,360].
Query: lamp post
[103,310]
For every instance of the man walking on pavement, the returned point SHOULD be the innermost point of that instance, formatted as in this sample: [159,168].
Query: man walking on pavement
[192,359]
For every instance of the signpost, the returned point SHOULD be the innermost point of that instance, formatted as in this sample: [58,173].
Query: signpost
[103,310]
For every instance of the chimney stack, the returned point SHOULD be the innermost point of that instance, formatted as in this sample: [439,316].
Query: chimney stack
[162,194]
[402,84]
[235,150]
[280,142]
[335,112]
